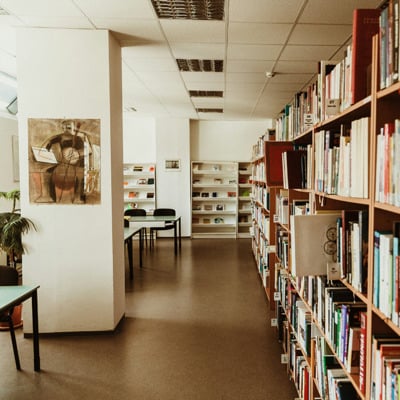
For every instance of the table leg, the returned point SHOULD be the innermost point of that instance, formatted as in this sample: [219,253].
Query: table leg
[130,257]
[141,232]
[175,238]
[180,234]
[35,327]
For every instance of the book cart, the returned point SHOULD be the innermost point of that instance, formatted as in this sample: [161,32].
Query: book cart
[334,275]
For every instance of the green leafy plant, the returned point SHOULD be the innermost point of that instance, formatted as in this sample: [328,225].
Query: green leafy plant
[12,226]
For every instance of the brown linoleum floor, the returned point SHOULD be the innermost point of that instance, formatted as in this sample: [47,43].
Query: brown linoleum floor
[196,328]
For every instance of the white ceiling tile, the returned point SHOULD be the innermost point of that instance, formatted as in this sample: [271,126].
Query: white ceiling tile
[68,22]
[253,52]
[288,67]
[313,34]
[42,8]
[191,78]
[151,64]
[132,29]
[245,77]
[212,51]
[248,66]
[275,11]
[146,50]
[307,53]
[205,85]
[292,78]
[238,88]
[194,31]
[329,12]
[287,86]
[117,8]
[257,33]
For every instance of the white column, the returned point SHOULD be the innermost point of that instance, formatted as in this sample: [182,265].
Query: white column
[77,253]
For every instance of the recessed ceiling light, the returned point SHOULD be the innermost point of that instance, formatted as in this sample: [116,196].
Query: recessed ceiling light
[206,93]
[195,65]
[190,9]
[209,110]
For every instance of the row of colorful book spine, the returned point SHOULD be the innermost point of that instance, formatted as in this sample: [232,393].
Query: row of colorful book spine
[338,84]
[341,160]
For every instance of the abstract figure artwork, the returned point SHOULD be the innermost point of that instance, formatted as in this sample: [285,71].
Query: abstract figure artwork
[64,161]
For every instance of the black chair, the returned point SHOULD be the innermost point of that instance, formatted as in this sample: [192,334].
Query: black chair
[132,212]
[9,277]
[168,225]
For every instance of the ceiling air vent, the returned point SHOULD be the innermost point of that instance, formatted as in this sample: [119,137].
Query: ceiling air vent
[190,9]
[206,93]
[209,110]
[193,65]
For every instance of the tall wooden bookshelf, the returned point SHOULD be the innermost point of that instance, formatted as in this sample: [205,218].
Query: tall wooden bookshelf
[266,185]
[306,313]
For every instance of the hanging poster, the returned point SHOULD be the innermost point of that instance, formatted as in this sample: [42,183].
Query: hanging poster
[64,161]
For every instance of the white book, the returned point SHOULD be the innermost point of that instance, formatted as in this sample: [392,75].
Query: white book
[385,262]
[310,242]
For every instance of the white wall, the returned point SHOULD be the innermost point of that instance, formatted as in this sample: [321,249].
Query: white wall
[77,254]
[173,188]
[225,140]
[139,139]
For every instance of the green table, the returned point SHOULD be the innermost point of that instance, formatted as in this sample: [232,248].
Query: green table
[11,296]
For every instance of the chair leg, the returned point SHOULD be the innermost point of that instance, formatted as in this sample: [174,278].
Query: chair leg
[14,342]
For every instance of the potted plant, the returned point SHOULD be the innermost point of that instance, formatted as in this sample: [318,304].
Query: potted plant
[12,226]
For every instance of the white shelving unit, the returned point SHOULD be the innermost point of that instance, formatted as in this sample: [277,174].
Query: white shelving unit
[214,199]
[244,200]
[140,186]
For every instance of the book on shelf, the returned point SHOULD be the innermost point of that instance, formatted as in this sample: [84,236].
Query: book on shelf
[345,390]
[324,68]
[363,351]
[365,26]
[333,376]
[382,350]
[294,169]
[353,351]
[273,155]
[312,247]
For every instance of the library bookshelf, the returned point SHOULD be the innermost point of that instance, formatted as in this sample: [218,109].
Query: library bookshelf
[337,304]
[140,186]
[214,199]
[244,200]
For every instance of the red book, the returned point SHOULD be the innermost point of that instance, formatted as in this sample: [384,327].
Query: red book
[365,26]
[273,156]
[363,350]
